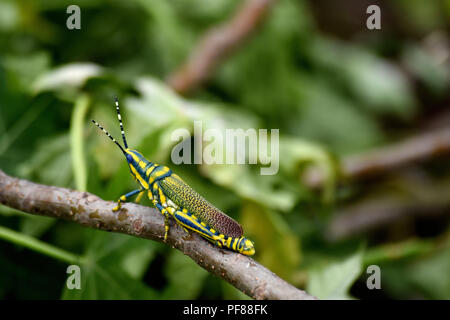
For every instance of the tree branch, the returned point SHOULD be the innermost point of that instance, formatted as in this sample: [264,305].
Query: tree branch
[216,44]
[89,210]
[379,212]
[410,195]
[414,149]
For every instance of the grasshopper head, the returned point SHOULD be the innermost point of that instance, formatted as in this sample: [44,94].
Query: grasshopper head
[246,247]
[134,160]
[133,157]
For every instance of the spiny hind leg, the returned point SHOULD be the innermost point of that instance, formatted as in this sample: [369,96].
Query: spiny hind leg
[165,213]
[168,205]
[155,199]
[191,223]
[175,213]
[125,197]
[159,201]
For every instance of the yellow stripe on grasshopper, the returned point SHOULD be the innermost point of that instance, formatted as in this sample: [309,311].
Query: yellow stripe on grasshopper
[234,243]
[187,221]
[162,198]
[158,174]
[142,180]
[149,170]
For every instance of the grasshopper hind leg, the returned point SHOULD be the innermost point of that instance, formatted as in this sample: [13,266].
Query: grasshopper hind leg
[161,203]
[166,218]
[157,203]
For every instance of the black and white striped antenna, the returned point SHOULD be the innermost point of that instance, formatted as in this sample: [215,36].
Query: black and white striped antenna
[121,124]
[107,133]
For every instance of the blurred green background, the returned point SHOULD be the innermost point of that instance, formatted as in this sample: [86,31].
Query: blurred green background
[312,70]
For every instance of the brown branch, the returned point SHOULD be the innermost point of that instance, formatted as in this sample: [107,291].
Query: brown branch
[403,199]
[414,149]
[89,210]
[377,213]
[216,44]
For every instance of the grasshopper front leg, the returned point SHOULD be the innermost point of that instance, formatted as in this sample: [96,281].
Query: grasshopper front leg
[125,197]
[139,197]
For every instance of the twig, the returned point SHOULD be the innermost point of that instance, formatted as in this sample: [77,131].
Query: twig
[415,197]
[89,210]
[377,213]
[216,44]
[414,149]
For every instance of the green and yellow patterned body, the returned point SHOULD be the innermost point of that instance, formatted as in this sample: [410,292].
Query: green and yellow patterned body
[184,196]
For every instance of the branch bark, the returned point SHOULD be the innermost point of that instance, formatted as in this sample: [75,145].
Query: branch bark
[89,210]
[216,44]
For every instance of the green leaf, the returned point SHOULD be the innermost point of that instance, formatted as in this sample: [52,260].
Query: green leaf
[71,76]
[99,282]
[428,68]
[185,277]
[20,126]
[334,280]
[432,276]
[50,163]
[269,190]
[25,69]
[119,249]
[426,277]
[171,37]
[294,152]
[37,245]
[379,85]
[35,226]
[112,268]
[322,100]
[277,246]
[9,16]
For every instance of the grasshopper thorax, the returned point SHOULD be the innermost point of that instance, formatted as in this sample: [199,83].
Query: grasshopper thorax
[140,167]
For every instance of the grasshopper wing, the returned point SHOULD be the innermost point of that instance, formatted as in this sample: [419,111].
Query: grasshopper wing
[184,196]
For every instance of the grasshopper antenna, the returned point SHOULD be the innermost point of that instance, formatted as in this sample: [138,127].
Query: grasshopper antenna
[121,124]
[107,133]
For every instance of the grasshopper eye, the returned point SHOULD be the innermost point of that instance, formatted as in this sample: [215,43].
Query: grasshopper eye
[129,158]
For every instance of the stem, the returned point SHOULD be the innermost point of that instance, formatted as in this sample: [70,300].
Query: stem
[38,246]
[76,142]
